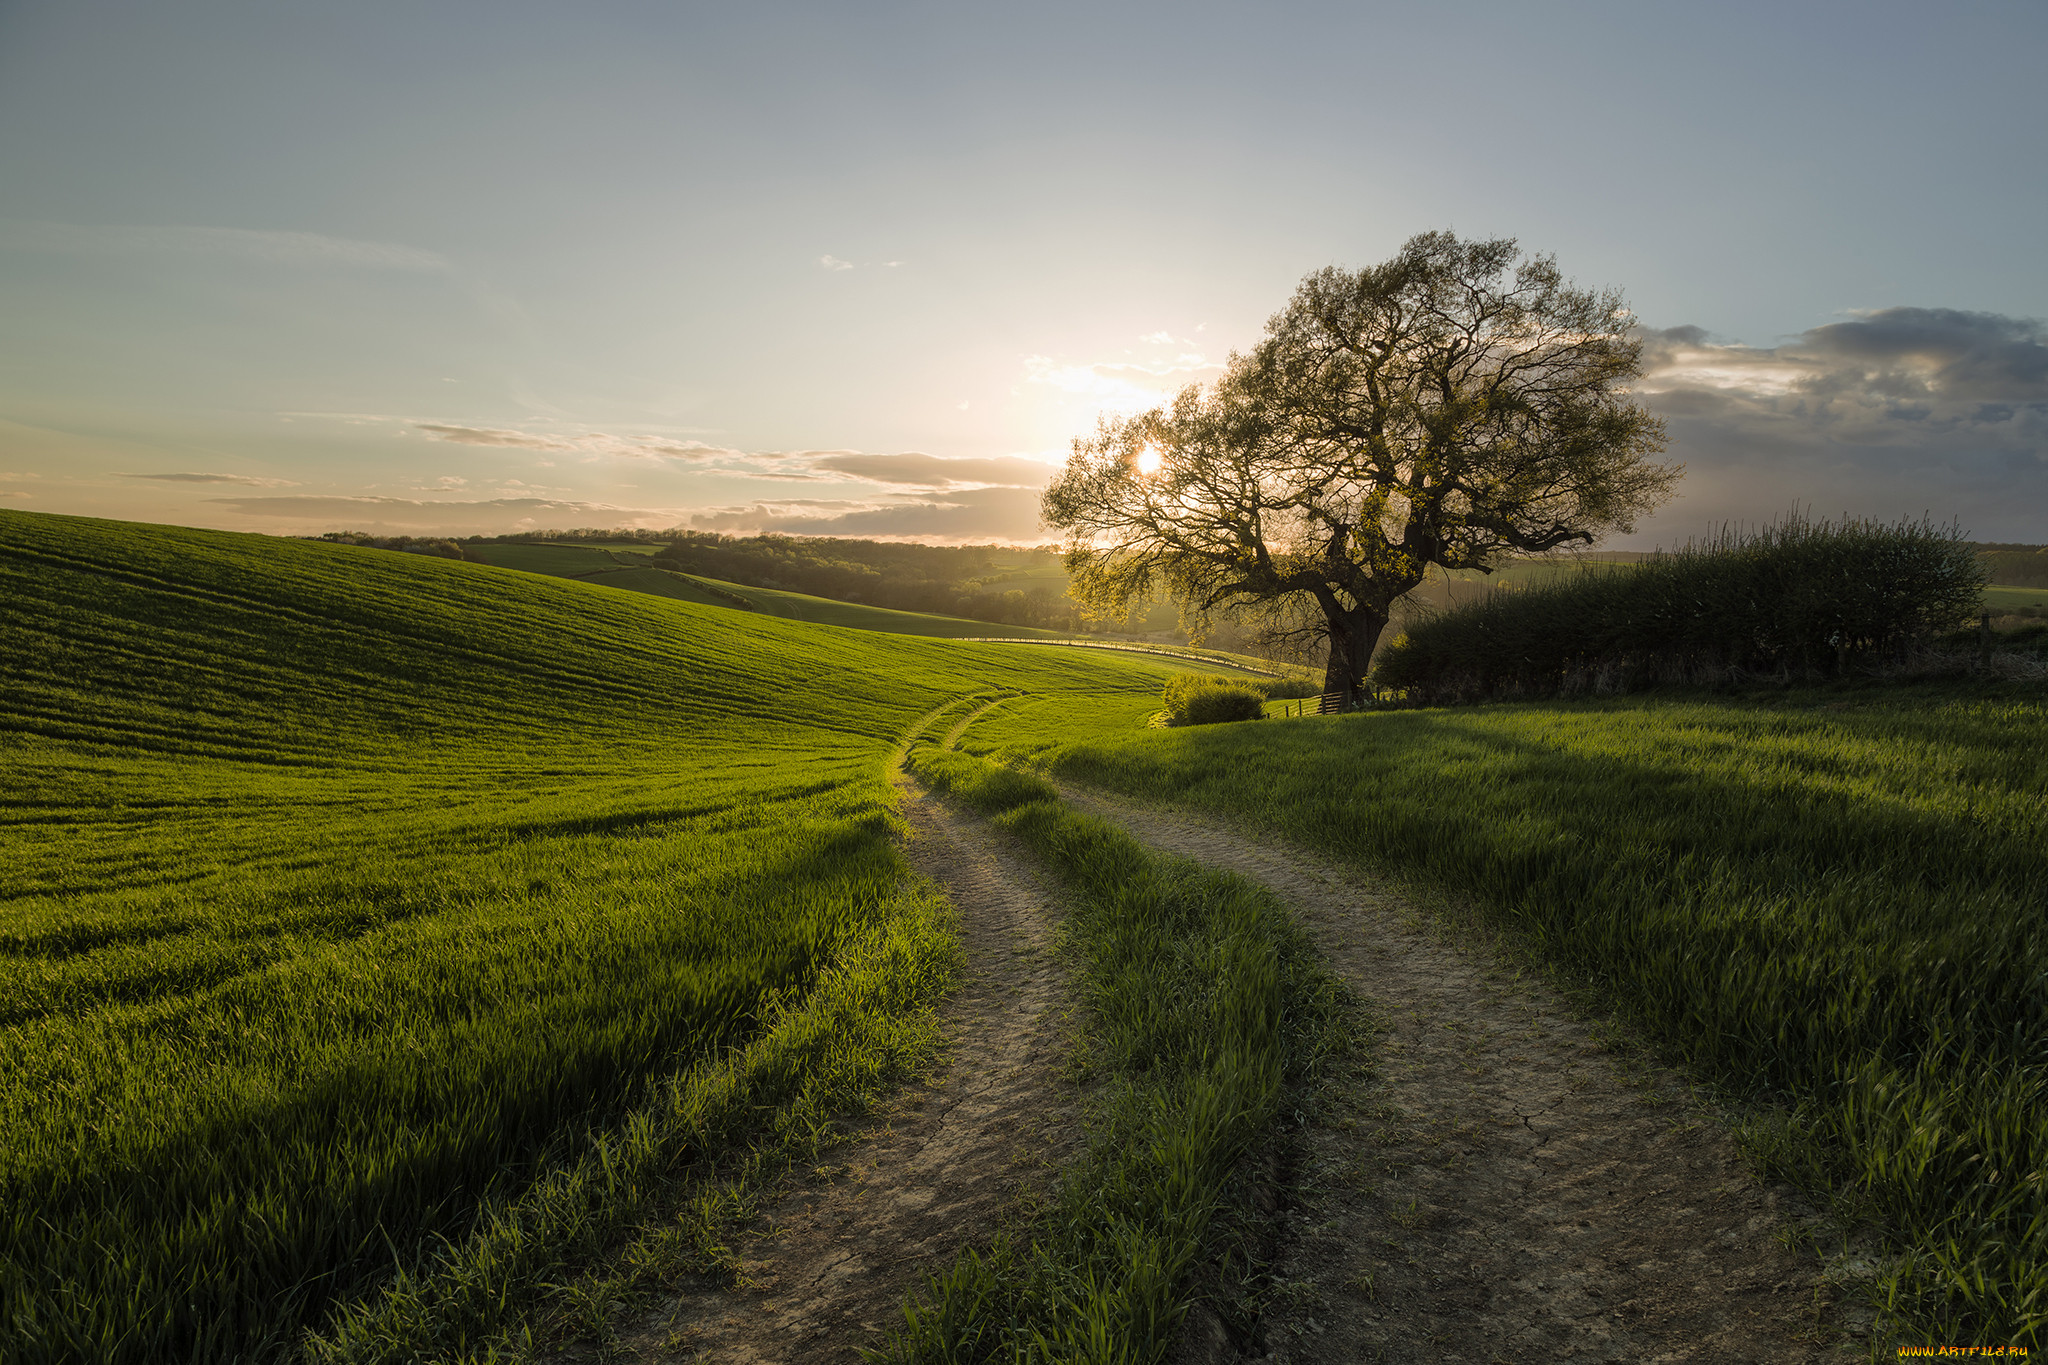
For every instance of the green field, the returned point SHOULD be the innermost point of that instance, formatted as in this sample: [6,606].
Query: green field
[349,894]
[560,561]
[381,929]
[619,567]
[1832,903]
[1999,600]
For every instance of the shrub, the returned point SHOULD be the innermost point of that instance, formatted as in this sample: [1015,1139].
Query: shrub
[1195,699]
[1800,599]
[1287,689]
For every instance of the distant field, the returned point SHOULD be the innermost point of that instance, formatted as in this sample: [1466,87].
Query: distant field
[560,560]
[824,611]
[1832,901]
[609,567]
[347,893]
[1998,599]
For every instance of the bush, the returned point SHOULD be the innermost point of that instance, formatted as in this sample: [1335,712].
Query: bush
[1800,599]
[1193,699]
[1286,689]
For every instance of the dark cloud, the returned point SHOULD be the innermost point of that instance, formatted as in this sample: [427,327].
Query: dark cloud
[914,470]
[1903,412]
[214,478]
[1939,351]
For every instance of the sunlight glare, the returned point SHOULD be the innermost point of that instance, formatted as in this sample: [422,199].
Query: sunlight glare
[1149,461]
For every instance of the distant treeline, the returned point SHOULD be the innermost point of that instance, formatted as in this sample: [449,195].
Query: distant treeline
[414,545]
[2016,566]
[946,580]
[1799,599]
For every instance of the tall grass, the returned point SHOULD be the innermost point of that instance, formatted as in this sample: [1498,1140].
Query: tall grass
[1207,1011]
[1841,910]
[349,898]
[1195,699]
[1802,598]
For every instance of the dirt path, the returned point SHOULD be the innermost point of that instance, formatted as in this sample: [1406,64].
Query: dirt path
[829,1264]
[1501,1190]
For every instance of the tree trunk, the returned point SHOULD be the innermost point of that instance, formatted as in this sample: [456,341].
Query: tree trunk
[1352,637]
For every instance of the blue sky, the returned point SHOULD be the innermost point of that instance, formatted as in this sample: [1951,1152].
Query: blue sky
[467,267]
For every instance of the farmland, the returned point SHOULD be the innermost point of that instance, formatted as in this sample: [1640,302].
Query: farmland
[380,929]
[1830,903]
[352,895]
[633,569]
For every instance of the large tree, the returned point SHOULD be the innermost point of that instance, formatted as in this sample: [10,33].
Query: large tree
[1453,406]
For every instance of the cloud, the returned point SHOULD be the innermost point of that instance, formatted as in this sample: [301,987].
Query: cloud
[300,514]
[914,470]
[1897,412]
[834,263]
[490,436]
[589,443]
[300,249]
[1125,386]
[973,516]
[909,469]
[243,479]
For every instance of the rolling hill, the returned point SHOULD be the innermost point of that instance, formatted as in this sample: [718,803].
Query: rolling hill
[348,894]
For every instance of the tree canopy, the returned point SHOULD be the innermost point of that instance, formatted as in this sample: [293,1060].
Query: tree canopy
[1452,406]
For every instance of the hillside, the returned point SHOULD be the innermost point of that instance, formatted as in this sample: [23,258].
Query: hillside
[634,569]
[348,892]
[1827,902]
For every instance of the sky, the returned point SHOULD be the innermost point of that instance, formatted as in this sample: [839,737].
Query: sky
[453,267]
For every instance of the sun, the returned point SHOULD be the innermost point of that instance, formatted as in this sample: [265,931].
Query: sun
[1149,461]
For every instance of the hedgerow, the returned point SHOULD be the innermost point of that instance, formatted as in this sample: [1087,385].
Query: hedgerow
[1797,600]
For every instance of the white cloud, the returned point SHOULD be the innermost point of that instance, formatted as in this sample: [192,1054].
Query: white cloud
[1124,386]
[913,469]
[974,516]
[834,263]
[591,444]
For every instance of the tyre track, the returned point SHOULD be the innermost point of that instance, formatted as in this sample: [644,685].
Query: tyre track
[1500,1190]
[828,1265]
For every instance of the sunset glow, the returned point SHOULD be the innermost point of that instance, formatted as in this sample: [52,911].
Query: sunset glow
[870,272]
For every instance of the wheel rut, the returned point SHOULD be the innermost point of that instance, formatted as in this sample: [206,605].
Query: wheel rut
[1503,1187]
[829,1262]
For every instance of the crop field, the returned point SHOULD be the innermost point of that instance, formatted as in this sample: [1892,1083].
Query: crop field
[2000,600]
[631,569]
[561,561]
[1831,902]
[351,897]
[825,611]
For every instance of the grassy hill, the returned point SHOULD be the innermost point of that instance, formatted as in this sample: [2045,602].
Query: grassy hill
[620,567]
[1831,902]
[349,895]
